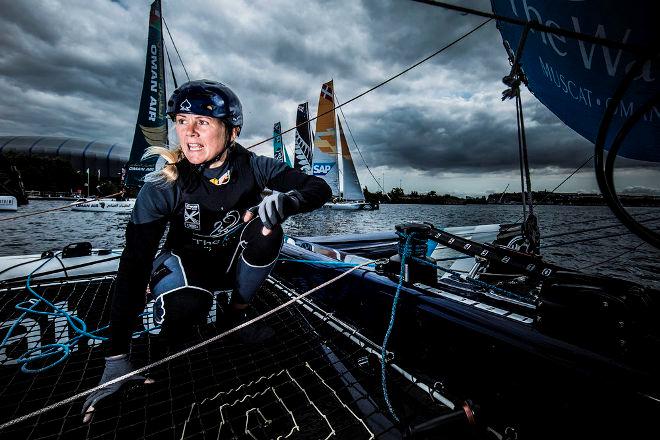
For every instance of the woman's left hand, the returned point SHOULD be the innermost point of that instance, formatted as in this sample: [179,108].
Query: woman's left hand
[274,209]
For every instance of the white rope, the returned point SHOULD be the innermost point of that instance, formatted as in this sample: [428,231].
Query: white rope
[181,353]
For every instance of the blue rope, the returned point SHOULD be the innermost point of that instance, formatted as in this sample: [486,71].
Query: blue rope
[49,350]
[406,251]
[329,263]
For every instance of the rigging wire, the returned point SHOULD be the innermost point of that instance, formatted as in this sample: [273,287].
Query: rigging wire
[631,250]
[175,48]
[584,240]
[603,218]
[547,194]
[568,177]
[599,228]
[442,49]
[605,226]
[523,191]
[633,48]
[169,60]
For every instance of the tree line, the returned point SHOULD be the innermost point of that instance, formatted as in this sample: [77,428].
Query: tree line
[397,195]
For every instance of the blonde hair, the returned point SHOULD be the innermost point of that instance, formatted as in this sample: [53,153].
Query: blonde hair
[168,174]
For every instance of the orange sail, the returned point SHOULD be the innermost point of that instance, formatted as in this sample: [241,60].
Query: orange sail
[325,140]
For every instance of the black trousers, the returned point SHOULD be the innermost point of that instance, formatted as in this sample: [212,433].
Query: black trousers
[183,282]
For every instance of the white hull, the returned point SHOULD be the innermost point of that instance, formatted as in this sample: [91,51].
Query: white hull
[14,268]
[8,203]
[106,206]
[351,206]
[100,262]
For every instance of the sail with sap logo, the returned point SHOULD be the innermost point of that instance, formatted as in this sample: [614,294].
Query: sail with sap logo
[577,79]
[351,188]
[325,140]
[321,169]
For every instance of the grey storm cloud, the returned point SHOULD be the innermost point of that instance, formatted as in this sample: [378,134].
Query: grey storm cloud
[74,68]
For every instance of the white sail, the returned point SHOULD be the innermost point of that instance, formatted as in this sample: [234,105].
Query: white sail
[325,140]
[350,181]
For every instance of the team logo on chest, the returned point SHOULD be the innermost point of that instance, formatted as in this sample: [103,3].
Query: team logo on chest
[222,180]
[226,225]
[191,218]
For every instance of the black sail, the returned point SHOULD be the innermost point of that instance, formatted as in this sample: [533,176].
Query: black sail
[303,147]
[151,126]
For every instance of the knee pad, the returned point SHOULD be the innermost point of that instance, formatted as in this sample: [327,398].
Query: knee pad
[261,250]
[175,300]
[182,307]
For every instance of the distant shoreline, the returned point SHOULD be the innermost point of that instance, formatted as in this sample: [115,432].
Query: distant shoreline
[633,205]
[396,196]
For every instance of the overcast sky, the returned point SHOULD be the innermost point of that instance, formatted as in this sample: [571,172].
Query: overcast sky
[75,68]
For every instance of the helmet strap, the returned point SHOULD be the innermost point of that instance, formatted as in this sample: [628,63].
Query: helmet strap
[229,143]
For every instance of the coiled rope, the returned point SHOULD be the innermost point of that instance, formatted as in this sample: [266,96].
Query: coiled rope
[61,349]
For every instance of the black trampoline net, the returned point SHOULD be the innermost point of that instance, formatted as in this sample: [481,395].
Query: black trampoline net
[310,381]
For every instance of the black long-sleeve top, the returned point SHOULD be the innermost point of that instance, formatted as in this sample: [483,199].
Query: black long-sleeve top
[157,204]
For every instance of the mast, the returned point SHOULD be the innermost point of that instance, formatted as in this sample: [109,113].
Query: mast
[350,181]
[325,140]
[151,125]
[303,141]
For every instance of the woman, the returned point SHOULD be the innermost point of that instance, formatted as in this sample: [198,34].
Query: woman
[221,232]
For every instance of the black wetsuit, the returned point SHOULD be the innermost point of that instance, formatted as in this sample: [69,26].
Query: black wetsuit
[204,211]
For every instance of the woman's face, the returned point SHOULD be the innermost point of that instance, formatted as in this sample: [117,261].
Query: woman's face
[201,137]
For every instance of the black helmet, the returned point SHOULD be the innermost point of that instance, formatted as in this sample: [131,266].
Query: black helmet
[207,98]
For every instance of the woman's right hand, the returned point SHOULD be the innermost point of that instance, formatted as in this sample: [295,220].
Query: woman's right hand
[115,367]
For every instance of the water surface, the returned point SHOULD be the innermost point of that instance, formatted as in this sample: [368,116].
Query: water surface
[639,263]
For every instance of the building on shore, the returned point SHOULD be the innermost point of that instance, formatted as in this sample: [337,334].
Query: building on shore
[101,158]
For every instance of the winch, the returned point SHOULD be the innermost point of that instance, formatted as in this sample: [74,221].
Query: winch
[413,244]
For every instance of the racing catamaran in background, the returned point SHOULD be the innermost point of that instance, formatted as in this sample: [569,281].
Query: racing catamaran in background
[151,125]
[279,150]
[417,332]
[326,157]
[12,192]
[302,153]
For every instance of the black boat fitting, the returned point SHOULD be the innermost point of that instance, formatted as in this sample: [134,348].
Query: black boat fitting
[465,415]
[418,267]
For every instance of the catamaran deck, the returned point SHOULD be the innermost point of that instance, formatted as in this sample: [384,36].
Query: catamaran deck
[312,381]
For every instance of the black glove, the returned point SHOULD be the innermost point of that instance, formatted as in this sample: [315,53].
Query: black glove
[277,207]
[115,367]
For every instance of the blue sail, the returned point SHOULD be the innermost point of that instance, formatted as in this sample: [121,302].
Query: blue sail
[277,142]
[576,79]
